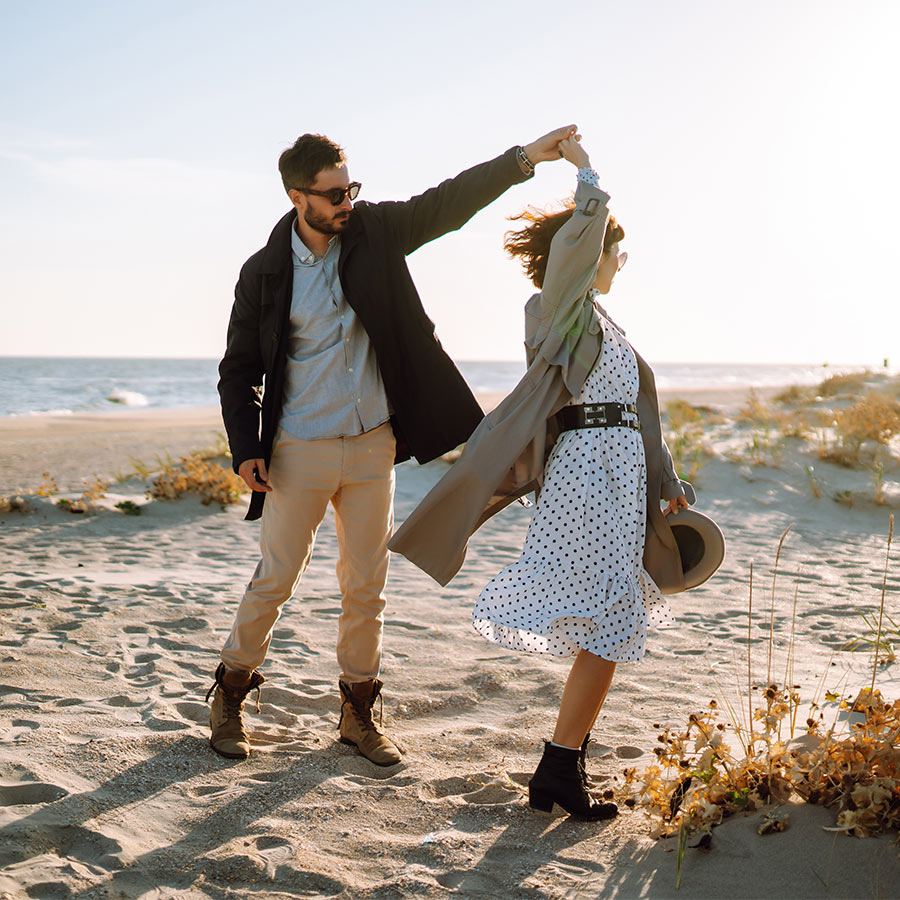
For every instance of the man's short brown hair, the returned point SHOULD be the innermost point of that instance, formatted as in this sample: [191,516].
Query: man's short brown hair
[300,165]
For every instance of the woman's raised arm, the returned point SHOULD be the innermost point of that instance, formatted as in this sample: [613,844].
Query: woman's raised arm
[575,249]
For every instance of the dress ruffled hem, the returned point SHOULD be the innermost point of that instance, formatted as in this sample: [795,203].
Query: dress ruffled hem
[633,603]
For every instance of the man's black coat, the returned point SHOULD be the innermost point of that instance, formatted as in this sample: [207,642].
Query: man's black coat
[433,408]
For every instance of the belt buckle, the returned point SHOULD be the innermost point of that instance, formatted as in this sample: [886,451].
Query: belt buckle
[595,416]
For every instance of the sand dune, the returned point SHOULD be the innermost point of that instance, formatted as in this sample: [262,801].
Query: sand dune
[109,634]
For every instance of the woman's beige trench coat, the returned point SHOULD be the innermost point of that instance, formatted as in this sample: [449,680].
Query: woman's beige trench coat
[505,456]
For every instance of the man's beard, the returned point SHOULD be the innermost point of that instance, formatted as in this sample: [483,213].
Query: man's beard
[326,226]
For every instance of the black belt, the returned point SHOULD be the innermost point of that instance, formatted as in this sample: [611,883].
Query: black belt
[598,415]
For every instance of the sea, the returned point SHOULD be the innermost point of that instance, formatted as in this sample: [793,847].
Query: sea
[34,386]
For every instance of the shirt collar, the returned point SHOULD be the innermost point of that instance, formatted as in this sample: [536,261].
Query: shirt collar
[303,256]
[595,296]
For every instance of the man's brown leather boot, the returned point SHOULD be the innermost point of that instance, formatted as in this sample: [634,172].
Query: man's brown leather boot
[228,738]
[357,727]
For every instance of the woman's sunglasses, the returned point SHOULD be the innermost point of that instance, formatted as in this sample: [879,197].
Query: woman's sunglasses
[336,195]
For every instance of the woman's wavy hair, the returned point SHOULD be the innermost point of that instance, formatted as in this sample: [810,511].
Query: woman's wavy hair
[531,244]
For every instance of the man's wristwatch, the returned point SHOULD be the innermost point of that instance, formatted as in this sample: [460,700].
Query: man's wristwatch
[525,164]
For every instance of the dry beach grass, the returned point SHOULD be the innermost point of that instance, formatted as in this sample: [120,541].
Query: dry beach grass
[110,624]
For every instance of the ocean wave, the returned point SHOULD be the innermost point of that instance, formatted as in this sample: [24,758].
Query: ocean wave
[43,412]
[127,398]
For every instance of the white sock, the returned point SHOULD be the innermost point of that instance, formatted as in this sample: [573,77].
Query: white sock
[576,749]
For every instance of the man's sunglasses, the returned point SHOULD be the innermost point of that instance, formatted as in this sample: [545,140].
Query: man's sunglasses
[336,195]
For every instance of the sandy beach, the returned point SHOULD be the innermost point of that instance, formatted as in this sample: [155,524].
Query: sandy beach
[109,635]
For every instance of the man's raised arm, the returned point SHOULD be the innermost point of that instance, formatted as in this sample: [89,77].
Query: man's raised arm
[453,202]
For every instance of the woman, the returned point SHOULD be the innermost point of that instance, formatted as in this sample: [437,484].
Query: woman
[580,587]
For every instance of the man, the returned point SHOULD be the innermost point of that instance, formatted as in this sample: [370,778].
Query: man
[327,318]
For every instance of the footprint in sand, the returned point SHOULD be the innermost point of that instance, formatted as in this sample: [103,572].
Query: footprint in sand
[15,604]
[194,712]
[297,647]
[18,730]
[156,724]
[30,793]
[409,626]
[121,700]
[327,611]
[264,777]
[186,623]
[315,682]
[279,698]
[492,795]
[627,752]
[269,842]
[480,789]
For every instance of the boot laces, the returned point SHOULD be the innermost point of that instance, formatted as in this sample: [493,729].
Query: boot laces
[233,704]
[364,710]
[233,699]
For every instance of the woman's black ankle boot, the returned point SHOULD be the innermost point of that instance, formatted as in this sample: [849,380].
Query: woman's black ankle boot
[558,781]
[582,761]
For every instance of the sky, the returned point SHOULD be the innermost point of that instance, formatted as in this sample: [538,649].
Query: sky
[750,149]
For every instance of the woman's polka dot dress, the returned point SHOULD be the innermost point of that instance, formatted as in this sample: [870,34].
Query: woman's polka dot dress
[580,582]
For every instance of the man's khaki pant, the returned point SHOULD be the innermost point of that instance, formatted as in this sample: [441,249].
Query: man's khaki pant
[356,474]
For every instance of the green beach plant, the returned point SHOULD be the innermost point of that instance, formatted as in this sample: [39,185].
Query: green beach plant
[755,410]
[685,437]
[815,488]
[763,446]
[140,468]
[219,449]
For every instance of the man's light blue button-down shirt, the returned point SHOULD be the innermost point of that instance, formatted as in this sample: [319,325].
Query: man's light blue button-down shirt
[332,386]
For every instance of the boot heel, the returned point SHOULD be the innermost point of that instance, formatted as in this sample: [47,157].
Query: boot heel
[541,801]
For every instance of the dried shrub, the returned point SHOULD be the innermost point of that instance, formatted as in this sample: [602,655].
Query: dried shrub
[847,383]
[685,436]
[797,424]
[93,491]
[793,396]
[755,410]
[194,475]
[873,419]
[47,488]
[698,780]
[815,486]
[764,447]
[13,504]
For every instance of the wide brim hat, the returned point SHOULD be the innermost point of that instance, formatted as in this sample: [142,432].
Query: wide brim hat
[701,545]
